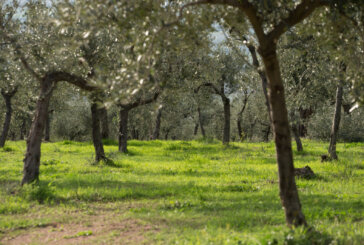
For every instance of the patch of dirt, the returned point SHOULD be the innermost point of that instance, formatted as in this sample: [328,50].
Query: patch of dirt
[98,229]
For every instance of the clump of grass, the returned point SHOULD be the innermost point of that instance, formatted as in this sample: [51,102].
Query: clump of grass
[304,236]
[40,192]
[51,162]
[7,149]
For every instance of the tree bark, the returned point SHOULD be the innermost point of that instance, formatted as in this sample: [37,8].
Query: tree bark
[104,122]
[123,130]
[201,122]
[32,156]
[296,130]
[282,137]
[9,111]
[96,133]
[297,138]
[240,114]
[195,129]
[157,125]
[336,120]
[226,136]
[166,134]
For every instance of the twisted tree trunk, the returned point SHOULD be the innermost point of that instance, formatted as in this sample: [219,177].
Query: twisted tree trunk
[9,111]
[32,156]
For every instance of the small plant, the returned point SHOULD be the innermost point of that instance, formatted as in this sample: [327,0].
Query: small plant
[7,149]
[40,192]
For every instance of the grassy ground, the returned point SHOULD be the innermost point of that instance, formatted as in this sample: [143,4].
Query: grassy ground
[178,192]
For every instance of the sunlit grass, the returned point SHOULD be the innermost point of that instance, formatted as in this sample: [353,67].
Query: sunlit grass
[196,192]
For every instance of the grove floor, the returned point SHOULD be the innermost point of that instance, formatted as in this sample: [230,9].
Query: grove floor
[176,192]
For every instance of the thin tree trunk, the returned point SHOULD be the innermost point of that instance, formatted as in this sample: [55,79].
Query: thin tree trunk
[34,141]
[240,130]
[201,122]
[123,130]
[282,137]
[196,129]
[297,138]
[226,136]
[104,122]
[336,121]
[157,125]
[263,77]
[96,134]
[240,114]
[166,134]
[9,111]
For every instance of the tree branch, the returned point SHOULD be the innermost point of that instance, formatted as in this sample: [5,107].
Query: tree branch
[139,101]
[302,11]
[216,90]
[59,76]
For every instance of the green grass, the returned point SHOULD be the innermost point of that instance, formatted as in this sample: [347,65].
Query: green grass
[193,192]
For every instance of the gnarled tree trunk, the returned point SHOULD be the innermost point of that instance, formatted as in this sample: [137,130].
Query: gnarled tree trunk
[6,126]
[32,156]
[96,134]
[226,136]
[282,137]
[123,130]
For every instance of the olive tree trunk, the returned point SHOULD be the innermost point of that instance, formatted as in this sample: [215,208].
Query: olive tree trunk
[195,130]
[336,121]
[104,122]
[123,130]
[297,138]
[32,156]
[201,122]
[282,137]
[96,133]
[226,136]
[9,111]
